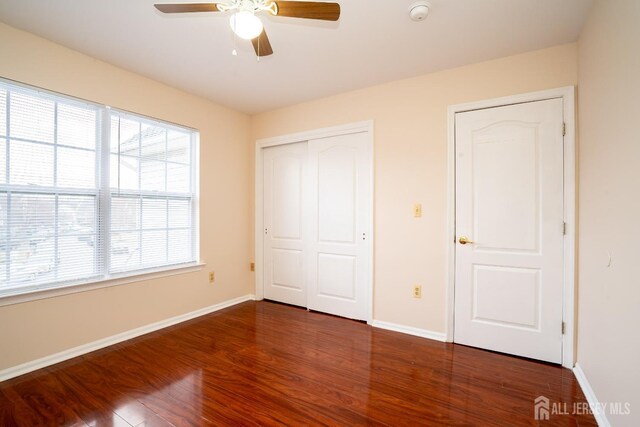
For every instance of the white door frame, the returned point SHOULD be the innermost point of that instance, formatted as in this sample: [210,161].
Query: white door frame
[358,127]
[567,94]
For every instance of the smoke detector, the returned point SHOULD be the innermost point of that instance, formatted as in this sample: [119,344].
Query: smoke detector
[419,10]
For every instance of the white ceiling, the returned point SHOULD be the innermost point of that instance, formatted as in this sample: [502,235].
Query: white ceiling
[374,42]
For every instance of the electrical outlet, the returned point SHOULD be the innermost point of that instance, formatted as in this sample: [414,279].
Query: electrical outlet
[417,291]
[417,210]
[212,277]
[252,266]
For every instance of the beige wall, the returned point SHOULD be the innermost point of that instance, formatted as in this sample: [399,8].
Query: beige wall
[411,165]
[609,301]
[32,330]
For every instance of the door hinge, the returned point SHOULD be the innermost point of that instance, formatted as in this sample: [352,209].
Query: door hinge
[564,129]
[564,228]
[564,327]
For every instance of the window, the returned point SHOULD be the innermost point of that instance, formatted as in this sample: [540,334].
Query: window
[88,193]
[151,195]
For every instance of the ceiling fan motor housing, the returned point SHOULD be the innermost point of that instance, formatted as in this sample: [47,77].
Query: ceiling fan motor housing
[419,10]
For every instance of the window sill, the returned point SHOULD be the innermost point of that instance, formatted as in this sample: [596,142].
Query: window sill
[114,280]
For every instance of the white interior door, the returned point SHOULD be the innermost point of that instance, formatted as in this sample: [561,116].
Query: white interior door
[509,203]
[284,179]
[338,222]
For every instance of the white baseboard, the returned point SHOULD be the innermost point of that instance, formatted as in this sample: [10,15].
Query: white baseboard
[423,333]
[24,368]
[600,416]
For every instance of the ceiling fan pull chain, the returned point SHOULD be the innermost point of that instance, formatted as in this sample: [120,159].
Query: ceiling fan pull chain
[234,52]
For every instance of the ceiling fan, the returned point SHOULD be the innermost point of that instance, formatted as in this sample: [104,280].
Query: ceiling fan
[247,25]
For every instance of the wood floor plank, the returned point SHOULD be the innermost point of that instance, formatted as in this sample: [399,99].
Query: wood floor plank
[262,363]
[81,403]
[38,404]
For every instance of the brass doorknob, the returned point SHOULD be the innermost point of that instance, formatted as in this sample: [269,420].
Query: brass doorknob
[464,240]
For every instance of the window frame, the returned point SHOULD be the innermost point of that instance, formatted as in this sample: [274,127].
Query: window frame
[103,194]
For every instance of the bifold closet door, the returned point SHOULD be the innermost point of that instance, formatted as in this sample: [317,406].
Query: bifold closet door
[284,182]
[339,194]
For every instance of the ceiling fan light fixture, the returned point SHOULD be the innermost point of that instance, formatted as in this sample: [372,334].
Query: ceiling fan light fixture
[246,25]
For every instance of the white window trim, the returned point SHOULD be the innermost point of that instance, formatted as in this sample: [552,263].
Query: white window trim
[17,296]
[91,285]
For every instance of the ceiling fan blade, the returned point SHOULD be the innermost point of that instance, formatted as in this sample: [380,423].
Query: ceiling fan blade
[187,7]
[308,10]
[261,44]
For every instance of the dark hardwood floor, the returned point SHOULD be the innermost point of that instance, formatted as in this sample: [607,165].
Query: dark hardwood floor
[261,363]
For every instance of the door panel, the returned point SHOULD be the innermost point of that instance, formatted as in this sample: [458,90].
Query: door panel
[284,256]
[287,268]
[509,202]
[337,276]
[339,218]
[494,285]
[505,179]
[287,187]
[337,169]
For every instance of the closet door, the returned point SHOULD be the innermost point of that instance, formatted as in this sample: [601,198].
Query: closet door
[284,233]
[338,222]
[510,229]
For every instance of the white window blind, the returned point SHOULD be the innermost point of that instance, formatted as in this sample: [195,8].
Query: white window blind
[70,214]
